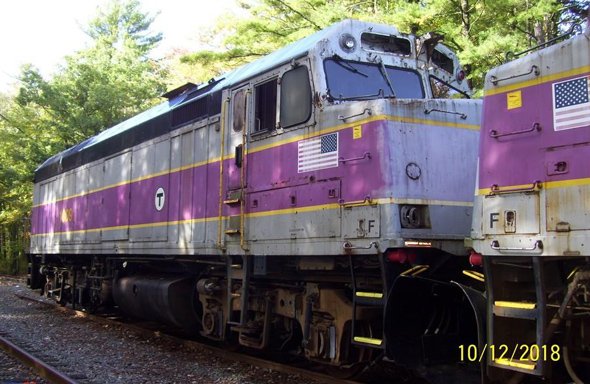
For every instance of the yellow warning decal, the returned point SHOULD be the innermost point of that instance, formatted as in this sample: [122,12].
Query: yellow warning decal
[514,99]
[357,132]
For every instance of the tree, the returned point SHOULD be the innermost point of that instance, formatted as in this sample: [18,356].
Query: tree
[481,32]
[104,84]
[95,89]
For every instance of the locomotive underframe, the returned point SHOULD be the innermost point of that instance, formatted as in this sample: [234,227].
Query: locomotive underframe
[296,305]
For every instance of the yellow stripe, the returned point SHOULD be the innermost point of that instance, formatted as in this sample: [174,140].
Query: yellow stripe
[285,211]
[141,178]
[544,185]
[537,81]
[514,304]
[134,226]
[368,340]
[372,295]
[523,364]
[274,144]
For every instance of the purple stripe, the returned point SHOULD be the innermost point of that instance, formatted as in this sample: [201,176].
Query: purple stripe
[273,169]
[272,180]
[523,158]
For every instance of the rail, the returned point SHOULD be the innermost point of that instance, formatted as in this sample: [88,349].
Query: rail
[41,368]
[193,345]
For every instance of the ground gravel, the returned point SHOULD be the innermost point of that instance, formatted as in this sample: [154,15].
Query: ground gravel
[97,353]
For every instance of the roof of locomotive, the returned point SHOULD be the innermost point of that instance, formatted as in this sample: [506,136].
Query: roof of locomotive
[511,72]
[161,111]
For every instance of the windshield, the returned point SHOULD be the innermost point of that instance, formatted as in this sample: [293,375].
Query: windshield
[352,80]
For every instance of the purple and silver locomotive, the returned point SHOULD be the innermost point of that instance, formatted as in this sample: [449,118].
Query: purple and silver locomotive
[314,202]
[531,214]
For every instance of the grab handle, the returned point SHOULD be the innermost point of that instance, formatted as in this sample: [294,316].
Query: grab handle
[495,245]
[535,127]
[534,69]
[495,189]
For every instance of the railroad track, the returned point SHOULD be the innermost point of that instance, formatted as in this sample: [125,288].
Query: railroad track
[147,332]
[37,365]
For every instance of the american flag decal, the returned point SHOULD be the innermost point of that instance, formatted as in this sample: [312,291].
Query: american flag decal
[317,153]
[571,104]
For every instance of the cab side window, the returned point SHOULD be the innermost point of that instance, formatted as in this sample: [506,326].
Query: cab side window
[443,90]
[295,97]
[265,112]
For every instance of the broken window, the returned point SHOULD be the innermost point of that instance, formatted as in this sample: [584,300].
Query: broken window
[265,113]
[443,90]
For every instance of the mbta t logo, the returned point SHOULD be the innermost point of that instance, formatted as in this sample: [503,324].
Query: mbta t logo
[159,199]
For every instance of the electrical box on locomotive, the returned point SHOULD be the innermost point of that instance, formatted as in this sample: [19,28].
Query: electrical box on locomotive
[314,201]
[531,214]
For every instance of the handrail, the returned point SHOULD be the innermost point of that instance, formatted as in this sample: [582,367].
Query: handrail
[222,150]
[429,111]
[534,69]
[495,245]
[366,110]
[348,245]
[495,189]
[243,177]
[535,127]
[573,28]
[366,155]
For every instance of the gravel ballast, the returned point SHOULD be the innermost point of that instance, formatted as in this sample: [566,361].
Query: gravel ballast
[100,353]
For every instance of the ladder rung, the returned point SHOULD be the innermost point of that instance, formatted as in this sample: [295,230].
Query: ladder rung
[475,275]
[517,310]
[231,201]
[415,270]
[517,363]
[515,304]
[368,341]
[373,299]
[371,295]
[232,231]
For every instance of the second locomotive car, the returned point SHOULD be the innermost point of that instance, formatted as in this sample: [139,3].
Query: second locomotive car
[314,201]
[531,214]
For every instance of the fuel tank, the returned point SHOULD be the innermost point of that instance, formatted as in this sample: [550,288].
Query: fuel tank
[168,299]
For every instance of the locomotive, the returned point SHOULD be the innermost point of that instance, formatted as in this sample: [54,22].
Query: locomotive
[531,215]
[313,202]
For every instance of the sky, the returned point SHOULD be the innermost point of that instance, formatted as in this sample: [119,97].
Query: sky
[43,32]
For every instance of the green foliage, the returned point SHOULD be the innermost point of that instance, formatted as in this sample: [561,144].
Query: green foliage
[481,32]
[95,88]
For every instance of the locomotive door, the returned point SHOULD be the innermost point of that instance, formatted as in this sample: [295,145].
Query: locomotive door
[234,163]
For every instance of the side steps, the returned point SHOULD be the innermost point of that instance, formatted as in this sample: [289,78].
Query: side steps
[370,296]
[517,314]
